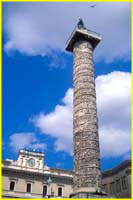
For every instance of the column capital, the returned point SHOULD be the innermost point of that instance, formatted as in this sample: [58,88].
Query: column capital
[82,33]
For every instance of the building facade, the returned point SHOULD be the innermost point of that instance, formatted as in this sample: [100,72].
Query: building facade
[29,177]
[117,181]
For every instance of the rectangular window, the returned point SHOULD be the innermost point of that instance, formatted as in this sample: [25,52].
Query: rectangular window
[12,185]
[44,190]
[112,188]
[60,191]
[105,188]
[123,181]
[118,186]
[28,188]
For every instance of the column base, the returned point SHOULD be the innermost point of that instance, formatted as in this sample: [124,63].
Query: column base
[89,195]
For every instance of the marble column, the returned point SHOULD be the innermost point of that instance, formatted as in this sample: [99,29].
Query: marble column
[87,172]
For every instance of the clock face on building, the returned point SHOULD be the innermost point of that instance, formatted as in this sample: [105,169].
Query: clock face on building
[31,162]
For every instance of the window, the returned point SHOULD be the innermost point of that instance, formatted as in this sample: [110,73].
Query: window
[59,191]
[44,190]
[105,188]
[118,186]
[112,188]
[123,181]
[12,185]
[28,188]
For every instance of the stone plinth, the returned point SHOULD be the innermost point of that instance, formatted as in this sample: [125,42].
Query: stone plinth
[87,195]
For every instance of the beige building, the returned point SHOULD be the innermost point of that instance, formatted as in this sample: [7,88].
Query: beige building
[29,177]
[117,181]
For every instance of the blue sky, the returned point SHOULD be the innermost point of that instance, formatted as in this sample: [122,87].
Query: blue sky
[37,79]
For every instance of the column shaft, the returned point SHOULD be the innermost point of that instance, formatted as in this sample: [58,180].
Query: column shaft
[87,173]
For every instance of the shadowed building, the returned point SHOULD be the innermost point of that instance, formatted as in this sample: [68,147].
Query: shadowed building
[117,181]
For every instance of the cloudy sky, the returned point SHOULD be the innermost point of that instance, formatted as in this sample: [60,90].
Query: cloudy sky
[37,78]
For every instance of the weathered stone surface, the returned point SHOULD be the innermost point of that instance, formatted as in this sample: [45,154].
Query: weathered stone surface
[87,173]
[87,195]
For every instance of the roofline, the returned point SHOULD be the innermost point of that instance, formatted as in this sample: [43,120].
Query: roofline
[41,174]
[115,170]
[107,173]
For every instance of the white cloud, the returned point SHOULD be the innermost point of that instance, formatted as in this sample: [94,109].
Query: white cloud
[58,165]
[25,140]
[59,123]
[127,156]
[114,112]
[36,28]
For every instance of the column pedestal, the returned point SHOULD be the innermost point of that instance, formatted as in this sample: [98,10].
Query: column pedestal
[88,195]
